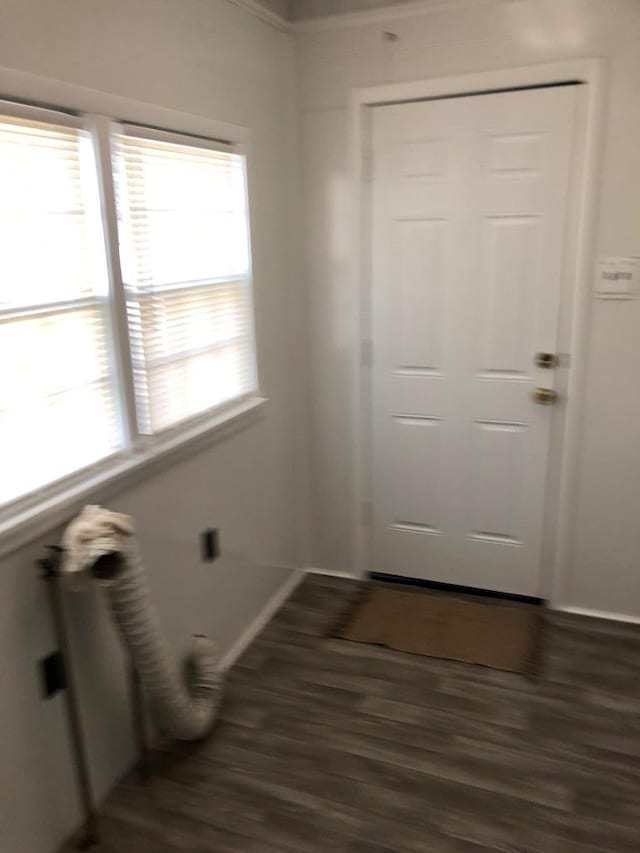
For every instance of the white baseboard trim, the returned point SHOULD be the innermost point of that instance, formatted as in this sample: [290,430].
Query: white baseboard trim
[577,611]
[600,614]
[312,570]
[256,625]
[297,576]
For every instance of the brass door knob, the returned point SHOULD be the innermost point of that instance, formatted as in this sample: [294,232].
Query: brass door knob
[545,396]
[546,359]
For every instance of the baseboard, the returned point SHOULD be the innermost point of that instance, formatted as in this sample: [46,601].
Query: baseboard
[384,577]
[578,611]
[256,625]
[332,573]
[600,614]
[297,576]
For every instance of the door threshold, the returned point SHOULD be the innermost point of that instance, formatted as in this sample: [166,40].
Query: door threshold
[457,588]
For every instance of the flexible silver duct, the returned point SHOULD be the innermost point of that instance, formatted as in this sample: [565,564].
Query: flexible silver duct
[101,545]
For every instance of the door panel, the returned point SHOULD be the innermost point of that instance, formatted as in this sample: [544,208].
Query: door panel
[510,248]
[418,308]
[416,491]
[468,207]
[496,481]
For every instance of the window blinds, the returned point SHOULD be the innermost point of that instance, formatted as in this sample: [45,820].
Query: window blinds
[57,402]
[185,259]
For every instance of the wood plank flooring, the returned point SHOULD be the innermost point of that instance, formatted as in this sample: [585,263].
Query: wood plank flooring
[327,746]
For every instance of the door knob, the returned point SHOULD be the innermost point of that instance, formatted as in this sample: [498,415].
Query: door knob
[546,359]
[545,396]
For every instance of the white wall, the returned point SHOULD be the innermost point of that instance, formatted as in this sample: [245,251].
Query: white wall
[211,58]
[467,37]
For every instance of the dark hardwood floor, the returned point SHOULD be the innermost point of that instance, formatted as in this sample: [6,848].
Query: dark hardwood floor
[327,746]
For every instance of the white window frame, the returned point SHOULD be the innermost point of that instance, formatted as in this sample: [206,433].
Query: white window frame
[102,115]
[138,439]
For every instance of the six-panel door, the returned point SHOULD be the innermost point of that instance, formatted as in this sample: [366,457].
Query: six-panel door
[468,214]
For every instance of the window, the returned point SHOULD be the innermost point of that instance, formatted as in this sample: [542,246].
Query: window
[67,387]
[57,402]
[184,239]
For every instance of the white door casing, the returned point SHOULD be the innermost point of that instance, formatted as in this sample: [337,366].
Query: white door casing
[469,202]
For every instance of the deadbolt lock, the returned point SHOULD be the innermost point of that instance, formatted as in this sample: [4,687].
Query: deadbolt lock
[546,359]
[545,396]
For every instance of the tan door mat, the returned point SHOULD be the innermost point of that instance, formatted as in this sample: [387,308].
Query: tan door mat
[499,635]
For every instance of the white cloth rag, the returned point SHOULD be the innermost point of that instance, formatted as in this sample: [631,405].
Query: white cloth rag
[93,532]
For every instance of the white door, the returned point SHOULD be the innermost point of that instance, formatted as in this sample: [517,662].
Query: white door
[469,203]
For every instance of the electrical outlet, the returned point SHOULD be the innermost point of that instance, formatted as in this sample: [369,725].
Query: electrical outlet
[210,545]
[52,674]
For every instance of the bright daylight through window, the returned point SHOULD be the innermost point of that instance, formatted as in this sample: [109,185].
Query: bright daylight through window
[184,247]
[57,401]
[186,270]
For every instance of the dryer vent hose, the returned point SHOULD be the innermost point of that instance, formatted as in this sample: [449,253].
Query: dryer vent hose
[100,545]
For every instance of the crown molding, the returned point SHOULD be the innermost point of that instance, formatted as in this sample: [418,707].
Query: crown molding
[265,15]
[396,12]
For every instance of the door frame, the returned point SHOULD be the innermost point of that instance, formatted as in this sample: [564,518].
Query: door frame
[575,298]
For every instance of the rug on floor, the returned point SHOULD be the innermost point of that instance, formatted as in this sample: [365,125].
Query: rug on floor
[501,635]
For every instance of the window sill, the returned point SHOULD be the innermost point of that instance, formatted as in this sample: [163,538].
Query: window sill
[57,508]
